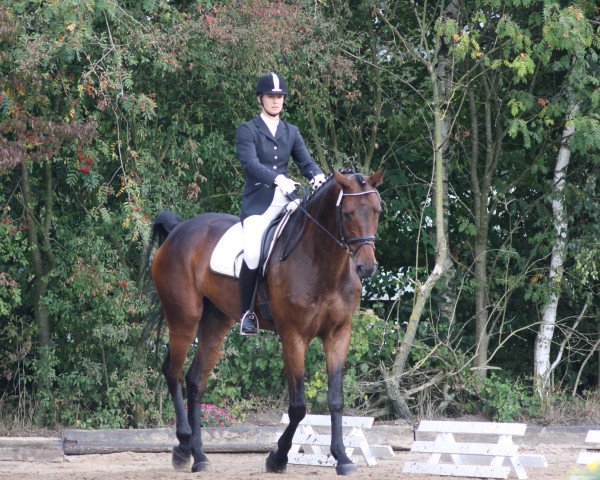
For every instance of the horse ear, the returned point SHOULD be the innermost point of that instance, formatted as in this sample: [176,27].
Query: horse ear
[377,178]
[341,179]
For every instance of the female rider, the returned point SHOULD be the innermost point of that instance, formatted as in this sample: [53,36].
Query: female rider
[264,146]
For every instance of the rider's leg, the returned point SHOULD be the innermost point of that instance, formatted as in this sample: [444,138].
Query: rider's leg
[253,231]
[248,277]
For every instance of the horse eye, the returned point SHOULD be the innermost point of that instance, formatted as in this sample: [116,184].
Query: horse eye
[348,215]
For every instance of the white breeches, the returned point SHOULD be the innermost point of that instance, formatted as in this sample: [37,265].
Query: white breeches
[255,226]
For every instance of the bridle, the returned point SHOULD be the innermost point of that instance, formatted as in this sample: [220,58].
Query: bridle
[346,242]
[342,241]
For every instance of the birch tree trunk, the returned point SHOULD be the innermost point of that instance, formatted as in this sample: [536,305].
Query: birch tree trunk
[543,343]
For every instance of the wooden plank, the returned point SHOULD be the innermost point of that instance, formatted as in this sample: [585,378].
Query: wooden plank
[456,470]
[593,436]
[325,440]
[585,458]
[483,428]
[527,460]
[490,449]
[31,449]
[325,421]
[531,460]
[517,467]
[382,451]
[318,460]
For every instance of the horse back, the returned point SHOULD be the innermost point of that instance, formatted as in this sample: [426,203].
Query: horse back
[190,243]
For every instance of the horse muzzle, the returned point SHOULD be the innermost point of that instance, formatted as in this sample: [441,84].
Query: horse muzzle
[365,269]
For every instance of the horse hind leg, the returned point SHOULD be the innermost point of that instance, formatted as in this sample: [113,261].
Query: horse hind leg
[182,318]
[211,334]
[183,432]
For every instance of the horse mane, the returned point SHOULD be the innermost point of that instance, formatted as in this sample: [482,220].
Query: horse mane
[315,196]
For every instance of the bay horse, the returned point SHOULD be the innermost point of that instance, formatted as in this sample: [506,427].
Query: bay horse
[313,293]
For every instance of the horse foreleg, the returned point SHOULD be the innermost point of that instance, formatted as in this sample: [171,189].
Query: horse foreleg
[336,350]
[293,358]
[182,452]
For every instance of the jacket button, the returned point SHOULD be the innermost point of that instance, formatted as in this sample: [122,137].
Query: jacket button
[275,147]
[274,167]
[275,157]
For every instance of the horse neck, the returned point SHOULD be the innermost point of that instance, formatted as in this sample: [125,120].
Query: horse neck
[323,231]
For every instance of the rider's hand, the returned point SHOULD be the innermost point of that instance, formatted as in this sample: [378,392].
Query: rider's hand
[317,181]
[287,186]
[293,205]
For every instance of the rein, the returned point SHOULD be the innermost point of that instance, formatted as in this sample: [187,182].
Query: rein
[343,242]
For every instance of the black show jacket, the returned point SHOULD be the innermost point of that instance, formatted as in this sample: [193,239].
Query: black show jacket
[263,157]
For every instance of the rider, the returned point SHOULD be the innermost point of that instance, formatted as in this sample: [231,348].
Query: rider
[264,146]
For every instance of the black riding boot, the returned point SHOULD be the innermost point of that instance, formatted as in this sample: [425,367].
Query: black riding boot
[249,321]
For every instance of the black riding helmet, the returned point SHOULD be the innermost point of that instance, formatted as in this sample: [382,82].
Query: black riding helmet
[271,83]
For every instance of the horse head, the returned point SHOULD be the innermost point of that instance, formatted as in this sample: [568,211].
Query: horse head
[358,207]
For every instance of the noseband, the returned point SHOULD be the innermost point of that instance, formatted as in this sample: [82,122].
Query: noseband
[346,242]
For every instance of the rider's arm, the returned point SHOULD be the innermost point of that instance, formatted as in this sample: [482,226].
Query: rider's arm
[246,152]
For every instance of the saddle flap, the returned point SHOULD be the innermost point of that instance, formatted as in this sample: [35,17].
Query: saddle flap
[227,257]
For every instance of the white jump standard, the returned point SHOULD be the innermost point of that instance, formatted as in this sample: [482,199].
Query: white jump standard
[473,458]
[315,445]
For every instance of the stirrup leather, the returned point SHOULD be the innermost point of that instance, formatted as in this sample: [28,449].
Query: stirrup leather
[249,324]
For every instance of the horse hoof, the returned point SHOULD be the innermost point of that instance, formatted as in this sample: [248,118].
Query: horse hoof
[200,466]
[345,469]
[274,466]
[180,460]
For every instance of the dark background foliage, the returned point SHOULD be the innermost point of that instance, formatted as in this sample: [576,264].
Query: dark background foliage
[111,112]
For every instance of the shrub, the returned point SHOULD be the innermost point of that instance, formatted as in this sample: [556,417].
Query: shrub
[506,400]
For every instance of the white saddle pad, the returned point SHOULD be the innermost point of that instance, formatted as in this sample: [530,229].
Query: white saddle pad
[228,254]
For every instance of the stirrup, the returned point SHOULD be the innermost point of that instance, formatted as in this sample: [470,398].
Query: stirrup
[249,324]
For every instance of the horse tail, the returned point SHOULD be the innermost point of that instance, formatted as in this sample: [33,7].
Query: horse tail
[164,223]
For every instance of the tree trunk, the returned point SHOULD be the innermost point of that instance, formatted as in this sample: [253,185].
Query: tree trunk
[449,294]
[40,285]
[440,91]
[481,292]
[481,181]
[543,342]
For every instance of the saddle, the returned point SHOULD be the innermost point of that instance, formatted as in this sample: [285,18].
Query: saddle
[227,256]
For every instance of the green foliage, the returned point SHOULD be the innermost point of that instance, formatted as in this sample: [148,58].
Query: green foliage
[167,83]
[505,400]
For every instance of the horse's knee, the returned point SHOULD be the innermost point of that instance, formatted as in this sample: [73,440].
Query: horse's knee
[193,384]
[297,412]
[166,365]
[335,402]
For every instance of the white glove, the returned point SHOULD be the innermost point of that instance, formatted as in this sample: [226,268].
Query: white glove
[317,181]
[287,186]
[293,205]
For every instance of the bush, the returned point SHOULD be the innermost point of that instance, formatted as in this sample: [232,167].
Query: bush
[507,400]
